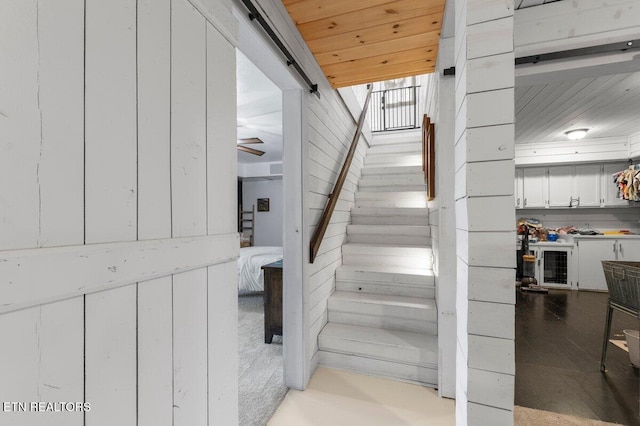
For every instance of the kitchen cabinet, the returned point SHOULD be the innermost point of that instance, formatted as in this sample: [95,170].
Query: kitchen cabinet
[628,250]
[591,253]
[554,266]
[561,191]
[610,191]
[587,184]
[534,187]
[518,190]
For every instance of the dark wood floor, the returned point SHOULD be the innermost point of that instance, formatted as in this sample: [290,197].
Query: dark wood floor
[558,347]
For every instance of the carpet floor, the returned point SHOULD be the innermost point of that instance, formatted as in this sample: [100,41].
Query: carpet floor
[261,383]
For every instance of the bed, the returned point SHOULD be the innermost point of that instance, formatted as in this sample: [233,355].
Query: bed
[250,275]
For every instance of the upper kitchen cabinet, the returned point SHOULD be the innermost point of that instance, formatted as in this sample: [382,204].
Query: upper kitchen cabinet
[609,190]
[561,191]
[587,184]
[534,187]
[518,190]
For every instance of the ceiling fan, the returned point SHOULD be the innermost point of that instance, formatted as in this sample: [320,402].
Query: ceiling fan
[247,141]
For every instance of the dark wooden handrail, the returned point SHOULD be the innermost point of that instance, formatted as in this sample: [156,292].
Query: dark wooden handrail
[316,240]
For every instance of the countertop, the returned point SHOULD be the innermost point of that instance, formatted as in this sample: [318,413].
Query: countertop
[559,243]
[606,237]
[552,244]
[569,240]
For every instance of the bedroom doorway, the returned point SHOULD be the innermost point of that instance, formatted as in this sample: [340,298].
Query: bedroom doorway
[271,189]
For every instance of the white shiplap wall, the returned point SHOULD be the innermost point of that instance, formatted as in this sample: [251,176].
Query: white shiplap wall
[327,130]
[484,165]
[439,105]
[118,137]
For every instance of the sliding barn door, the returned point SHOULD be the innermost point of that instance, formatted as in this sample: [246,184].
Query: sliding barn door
[118,292]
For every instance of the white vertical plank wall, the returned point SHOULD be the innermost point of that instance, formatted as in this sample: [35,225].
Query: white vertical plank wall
[155,297]
[189,217]
[43,141]
[485,308]
[110,205]
[60,180]
[104,139]
[222,290]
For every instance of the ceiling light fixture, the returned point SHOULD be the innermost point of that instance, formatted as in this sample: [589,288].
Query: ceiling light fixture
[576,134]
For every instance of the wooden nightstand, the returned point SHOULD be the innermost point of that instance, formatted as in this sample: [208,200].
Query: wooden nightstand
[272,300]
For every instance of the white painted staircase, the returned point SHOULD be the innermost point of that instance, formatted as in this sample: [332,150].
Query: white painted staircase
[382,318]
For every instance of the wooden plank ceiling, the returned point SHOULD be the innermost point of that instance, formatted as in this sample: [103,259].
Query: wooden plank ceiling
[362,41]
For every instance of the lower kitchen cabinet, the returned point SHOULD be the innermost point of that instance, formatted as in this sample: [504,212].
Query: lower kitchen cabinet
[629,250]
[554,265]
[591,253]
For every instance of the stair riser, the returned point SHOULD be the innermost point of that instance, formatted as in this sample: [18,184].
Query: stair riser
[380,171]
[391,195]
[391,188]
[421,252]
[388,239]
[391,279]
[405,355]
[412,147]
[424,231]
[404,179]
[382,310]
[357,219]
[386,288]
[391,203]
[371,260]
[396,137]
[390,323]
[409,373]
[394,160]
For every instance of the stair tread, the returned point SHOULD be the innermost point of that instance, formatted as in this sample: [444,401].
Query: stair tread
[374,170]
[389,210]
[382,336]
[381,245]
[388,269]
[388,229]
[385,299]
[393,194]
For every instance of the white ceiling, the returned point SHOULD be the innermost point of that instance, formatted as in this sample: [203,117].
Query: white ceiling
[589,92]
[608,105]
[259,112]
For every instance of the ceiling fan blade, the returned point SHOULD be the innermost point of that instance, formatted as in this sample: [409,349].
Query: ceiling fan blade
[249,140]
[250,150]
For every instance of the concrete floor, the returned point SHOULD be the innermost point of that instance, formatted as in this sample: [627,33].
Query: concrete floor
[343,398]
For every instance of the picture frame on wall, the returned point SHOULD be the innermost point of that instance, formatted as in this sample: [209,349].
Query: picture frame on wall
[263,204]
[429,156]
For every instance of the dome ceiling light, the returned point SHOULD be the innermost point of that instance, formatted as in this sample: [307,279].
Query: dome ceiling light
[576,134]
